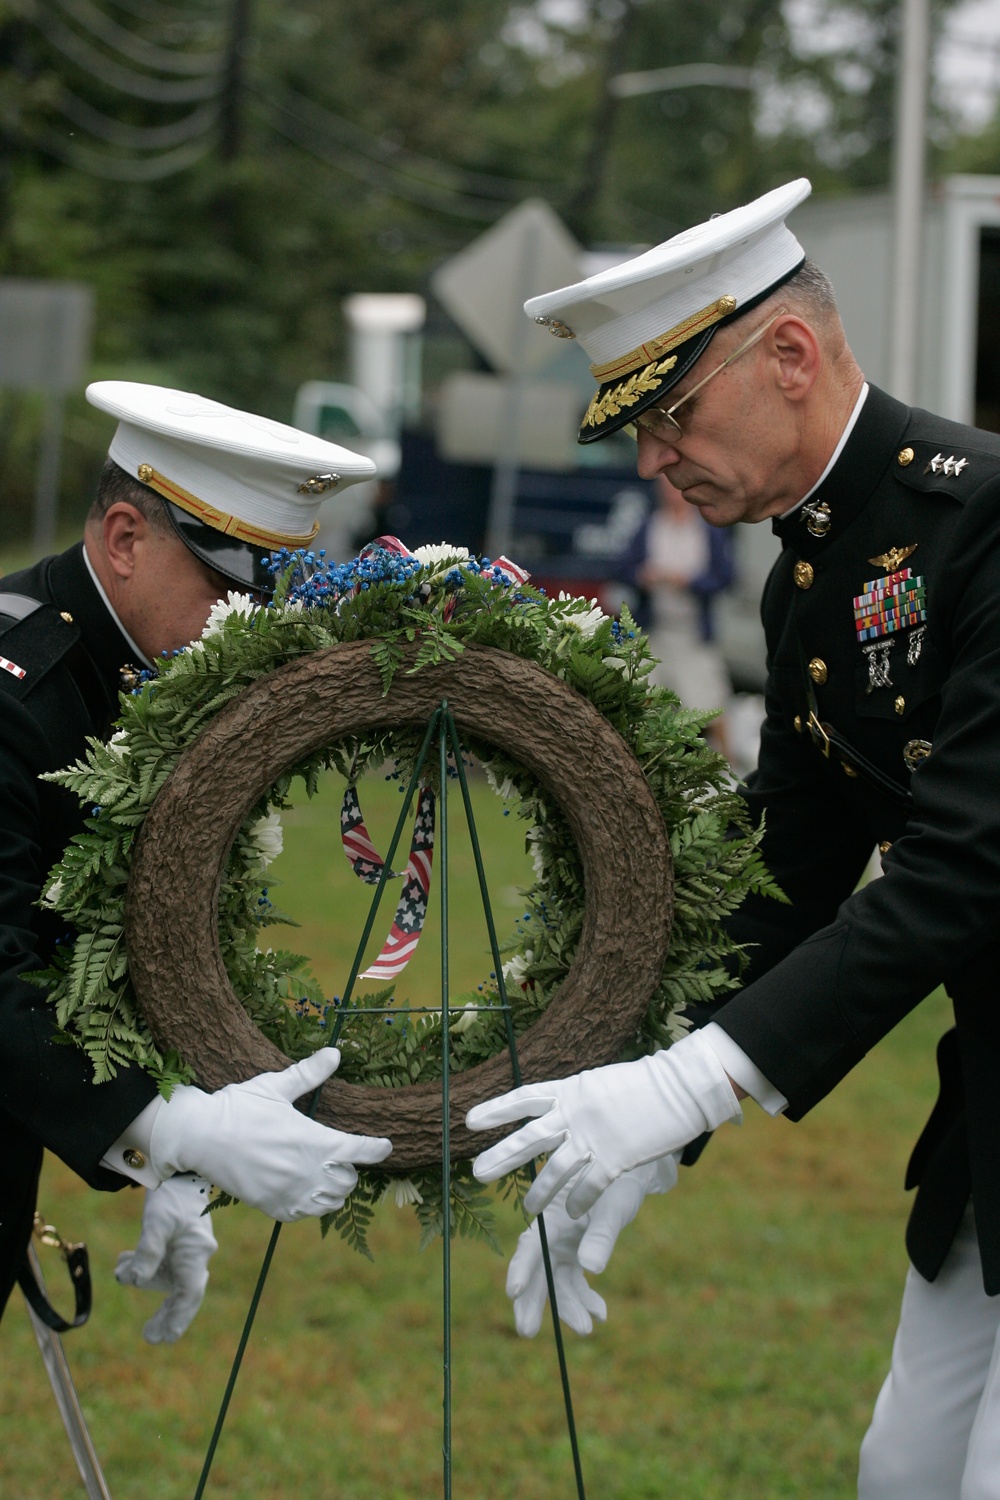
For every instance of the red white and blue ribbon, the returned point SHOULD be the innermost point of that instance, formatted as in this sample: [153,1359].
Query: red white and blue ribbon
[367,863]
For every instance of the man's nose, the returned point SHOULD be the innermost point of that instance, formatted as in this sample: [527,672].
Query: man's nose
[654,456]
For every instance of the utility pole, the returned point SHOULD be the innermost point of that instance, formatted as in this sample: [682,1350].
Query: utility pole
[908,194]
[231,101]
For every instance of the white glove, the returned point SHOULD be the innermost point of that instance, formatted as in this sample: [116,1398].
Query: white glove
[601,1123]
[578,1245]
[172,1255]
[250,1140]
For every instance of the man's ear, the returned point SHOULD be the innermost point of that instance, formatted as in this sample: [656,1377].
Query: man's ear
[798,357]
[123,529]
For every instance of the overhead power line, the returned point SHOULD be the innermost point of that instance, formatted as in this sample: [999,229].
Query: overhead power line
[118,168]
[137,137]
[125,80]
[296,126]
[135,48]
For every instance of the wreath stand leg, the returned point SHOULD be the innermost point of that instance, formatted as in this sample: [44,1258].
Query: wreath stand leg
[442,724]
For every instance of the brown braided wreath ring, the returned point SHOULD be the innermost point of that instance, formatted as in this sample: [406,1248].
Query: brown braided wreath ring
[171,911]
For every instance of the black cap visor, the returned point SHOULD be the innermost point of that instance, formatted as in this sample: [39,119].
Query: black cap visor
[240,562]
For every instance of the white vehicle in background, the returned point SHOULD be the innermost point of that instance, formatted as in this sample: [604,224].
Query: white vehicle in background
[345,414]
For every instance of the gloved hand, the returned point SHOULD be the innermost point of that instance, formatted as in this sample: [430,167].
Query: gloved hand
[250,1140]
[576,1246]
[601,1123]
[172,1255]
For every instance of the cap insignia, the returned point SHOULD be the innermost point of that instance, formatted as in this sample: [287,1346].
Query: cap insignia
[626,392]
[654,349]
[892,559]
[557,327]
[319,484]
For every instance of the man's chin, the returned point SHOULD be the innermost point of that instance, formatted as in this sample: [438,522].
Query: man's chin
[711,508]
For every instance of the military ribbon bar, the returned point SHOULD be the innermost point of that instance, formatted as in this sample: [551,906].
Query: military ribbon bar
[887,604]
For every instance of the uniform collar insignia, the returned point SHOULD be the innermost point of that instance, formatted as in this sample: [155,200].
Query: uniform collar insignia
[894,558]
[950,467]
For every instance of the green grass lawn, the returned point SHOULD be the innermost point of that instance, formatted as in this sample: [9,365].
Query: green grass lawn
[750,1312]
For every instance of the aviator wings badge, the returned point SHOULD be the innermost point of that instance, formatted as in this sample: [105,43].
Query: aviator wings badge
[894,558]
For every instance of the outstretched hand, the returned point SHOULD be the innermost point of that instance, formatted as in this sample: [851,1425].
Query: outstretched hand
[250,1140]
[172,1255]
[577,1246]
[599,1124]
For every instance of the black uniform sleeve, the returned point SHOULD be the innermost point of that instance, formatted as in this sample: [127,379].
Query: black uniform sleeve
[46,1087]
[812,1016]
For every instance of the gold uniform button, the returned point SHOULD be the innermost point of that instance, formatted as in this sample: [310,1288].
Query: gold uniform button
[884,846]
[848,770]
[904,456]
[64,614]
[133,1159]
[899,704]
[797,722]
[144,473]
[803,575]
[817,670]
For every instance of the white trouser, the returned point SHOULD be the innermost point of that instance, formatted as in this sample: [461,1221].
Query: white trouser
[935,1431]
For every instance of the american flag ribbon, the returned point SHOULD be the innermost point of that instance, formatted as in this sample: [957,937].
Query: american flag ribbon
[367,863]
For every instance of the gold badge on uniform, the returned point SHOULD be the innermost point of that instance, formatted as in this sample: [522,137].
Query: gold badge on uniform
[894,558]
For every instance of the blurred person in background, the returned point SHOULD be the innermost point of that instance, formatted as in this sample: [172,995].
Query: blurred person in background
[681,565]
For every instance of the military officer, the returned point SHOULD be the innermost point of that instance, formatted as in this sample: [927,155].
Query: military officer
[192,495]
[724,352]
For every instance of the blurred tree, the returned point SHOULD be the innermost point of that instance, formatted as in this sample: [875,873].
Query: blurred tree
[225,171]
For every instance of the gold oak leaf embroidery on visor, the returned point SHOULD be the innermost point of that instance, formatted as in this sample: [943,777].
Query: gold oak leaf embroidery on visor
[626,393]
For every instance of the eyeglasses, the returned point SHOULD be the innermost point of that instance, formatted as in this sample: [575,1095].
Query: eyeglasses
[664,424]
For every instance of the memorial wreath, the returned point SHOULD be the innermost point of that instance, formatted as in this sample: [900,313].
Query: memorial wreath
[409,614]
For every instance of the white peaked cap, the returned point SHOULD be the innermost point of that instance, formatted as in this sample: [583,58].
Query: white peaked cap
[645,322]
[255,480]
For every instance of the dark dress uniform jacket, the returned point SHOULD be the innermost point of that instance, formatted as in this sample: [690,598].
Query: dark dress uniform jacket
[71,652]
[834,971]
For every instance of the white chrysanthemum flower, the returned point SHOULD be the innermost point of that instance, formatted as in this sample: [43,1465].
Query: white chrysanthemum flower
[533,838]
[51,896]
[267,837]
[118,742]
[585,621]
[516,968]
[234,603]
[404,1190]
[438,552]
[464,1019]
[505,789]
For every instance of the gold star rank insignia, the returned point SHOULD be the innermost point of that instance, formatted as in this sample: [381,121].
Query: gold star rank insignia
[893,559]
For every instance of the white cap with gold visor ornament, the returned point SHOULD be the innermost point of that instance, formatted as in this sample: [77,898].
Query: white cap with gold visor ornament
[236,485]
[644,323]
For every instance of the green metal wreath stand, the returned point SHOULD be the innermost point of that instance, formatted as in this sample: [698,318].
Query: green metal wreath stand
[501,699]
[442,727]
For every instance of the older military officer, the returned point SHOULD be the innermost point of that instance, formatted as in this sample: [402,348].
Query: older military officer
[193,493]
[724,349]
